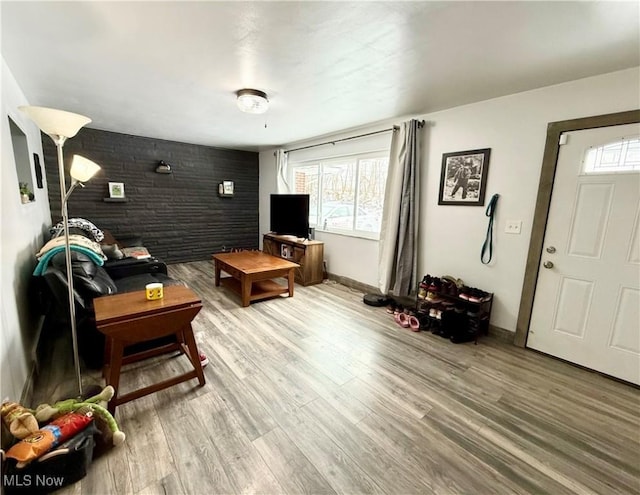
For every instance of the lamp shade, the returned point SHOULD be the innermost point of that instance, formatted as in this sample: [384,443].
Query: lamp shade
[252,101]
[56,122]
[82,169]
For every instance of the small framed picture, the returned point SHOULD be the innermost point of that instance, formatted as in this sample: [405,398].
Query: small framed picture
[38,169]
[463,178]
[227,187]
[285,251]
[116,189]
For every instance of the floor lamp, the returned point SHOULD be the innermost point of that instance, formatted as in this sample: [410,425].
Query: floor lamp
[60,126]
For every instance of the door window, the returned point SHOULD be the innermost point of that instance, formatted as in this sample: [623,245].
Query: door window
[619,156]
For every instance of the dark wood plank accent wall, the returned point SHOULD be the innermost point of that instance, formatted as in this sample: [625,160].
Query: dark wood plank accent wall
[179,216]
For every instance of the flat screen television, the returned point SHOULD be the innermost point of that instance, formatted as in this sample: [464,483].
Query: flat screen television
[290,214]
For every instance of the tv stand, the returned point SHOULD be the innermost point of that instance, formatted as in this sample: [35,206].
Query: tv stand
[308,254]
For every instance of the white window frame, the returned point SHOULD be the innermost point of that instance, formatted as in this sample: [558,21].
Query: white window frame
[293,165]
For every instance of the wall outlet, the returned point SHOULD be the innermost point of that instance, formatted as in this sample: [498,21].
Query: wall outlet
[513,226]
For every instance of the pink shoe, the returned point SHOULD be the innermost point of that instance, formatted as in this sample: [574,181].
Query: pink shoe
[414,324]
[402,319]
[204,360]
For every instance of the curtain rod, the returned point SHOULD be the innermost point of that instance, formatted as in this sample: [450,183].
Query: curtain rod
[394,128]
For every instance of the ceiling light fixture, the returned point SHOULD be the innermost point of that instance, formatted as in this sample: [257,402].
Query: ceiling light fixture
[252,101]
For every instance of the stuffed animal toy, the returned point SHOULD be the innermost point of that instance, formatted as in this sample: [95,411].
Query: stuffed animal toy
[20,420]
[105,422]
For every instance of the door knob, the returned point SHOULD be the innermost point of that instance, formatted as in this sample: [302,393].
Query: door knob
[551,249]
[547,264]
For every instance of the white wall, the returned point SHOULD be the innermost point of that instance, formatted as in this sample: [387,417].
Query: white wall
[22,227]
[451,237]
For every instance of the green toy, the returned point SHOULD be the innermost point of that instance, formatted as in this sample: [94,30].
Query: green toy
[104,420]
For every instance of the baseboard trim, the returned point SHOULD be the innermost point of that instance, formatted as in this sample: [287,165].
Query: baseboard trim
[501,334]
[406,301]
[353,284]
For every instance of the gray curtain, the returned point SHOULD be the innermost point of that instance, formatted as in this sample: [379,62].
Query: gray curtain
[398,248]
[282,169]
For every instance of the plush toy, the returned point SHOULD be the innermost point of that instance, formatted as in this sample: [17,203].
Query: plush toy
[20,420]
[105,422]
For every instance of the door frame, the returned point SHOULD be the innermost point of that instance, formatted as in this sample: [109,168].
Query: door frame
[543,202]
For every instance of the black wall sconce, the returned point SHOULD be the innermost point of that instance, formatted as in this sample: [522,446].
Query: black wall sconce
[163,168]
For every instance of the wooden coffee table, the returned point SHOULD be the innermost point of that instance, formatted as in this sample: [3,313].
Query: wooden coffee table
[251,273]
[129,318]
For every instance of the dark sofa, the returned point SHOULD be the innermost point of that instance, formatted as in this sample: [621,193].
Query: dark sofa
[91,281]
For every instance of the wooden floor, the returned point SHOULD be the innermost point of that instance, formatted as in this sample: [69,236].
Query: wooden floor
[321,394]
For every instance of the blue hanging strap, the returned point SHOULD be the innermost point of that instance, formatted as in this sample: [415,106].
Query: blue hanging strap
[488,242]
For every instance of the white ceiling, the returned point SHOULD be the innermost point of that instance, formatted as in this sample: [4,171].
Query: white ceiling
[170,70]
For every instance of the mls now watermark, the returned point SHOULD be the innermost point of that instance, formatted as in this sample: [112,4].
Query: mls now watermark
[32,480]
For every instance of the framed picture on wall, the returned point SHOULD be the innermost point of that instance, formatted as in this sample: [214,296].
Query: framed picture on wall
[38,170]
[116,189]
[463,178]
[227,187]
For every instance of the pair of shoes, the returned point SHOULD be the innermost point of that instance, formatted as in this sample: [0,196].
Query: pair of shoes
[407,320]
[464,292]
[423,319]
[433,297]
[393,307]
[435,285]
[449,288]
[204,360]
[478,296]
[473,295]
[426,282]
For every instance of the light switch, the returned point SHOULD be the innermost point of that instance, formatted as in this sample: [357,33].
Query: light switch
[513,226]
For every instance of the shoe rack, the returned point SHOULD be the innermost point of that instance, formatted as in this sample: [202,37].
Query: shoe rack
[453,310]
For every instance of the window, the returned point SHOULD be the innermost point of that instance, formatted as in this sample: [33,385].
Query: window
[346,193]
[620,156]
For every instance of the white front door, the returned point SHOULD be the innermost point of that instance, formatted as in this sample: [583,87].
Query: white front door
[587,299]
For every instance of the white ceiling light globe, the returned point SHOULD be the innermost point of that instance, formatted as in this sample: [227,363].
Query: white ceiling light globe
[252,101]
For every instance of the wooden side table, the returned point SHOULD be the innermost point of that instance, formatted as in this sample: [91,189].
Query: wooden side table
[129,318]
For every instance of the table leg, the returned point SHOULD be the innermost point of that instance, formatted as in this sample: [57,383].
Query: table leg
[291,282]
[180,337]
[115,363]
[245,288]
[217,273]
[106,358]
[193,353]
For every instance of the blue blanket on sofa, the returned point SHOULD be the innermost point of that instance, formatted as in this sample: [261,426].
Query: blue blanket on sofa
[44,261]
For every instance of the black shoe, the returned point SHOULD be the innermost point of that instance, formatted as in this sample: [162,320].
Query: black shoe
[461,337]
